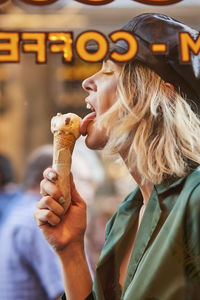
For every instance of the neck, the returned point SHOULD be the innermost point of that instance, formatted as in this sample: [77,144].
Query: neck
[146,186]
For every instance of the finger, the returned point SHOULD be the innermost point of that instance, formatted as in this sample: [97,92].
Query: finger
[51,204]
[49,188]
[43,216]
[42,188]
[50,174]
[75,197]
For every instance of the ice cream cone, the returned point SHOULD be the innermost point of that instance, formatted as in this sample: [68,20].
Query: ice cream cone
[66,130]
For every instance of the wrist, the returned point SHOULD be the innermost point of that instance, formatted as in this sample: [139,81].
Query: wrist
[73,251]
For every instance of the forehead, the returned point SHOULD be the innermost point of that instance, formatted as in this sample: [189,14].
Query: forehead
[112,65]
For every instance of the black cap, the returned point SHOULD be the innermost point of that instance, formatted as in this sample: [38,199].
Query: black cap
[155,28]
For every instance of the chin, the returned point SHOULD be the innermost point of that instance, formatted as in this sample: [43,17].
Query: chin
[95,140]
[94,143]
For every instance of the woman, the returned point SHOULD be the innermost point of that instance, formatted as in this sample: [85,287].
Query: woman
[146,112]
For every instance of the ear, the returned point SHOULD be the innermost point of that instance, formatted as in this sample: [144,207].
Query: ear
[169,88]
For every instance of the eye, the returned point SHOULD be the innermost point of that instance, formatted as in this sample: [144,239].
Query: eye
[108,72]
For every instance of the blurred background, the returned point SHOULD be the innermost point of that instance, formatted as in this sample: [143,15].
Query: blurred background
[30,94]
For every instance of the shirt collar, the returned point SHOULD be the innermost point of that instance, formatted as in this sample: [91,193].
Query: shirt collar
[164,187]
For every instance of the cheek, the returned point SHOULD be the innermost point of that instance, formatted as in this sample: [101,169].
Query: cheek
[108,97]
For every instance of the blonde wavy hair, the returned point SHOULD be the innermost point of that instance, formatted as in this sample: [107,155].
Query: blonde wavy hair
[153,125]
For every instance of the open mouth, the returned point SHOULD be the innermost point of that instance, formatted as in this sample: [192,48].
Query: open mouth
[87,119]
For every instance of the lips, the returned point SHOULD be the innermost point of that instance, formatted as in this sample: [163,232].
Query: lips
[85,122]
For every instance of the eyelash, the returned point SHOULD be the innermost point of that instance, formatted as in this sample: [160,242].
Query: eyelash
[108,73]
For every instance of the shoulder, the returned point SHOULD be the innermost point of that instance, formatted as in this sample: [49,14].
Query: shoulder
[194,199]
[192,185]
[20,226]
[192,188]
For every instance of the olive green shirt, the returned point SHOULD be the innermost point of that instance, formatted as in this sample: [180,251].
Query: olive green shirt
[165,261]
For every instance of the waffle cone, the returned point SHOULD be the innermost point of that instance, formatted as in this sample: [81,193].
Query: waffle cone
[62,141]
[62,151]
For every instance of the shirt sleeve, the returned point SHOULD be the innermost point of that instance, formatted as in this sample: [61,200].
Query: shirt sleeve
[192,241]
[63,297]
[39,255]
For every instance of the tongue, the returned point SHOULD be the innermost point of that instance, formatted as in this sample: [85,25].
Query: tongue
[85,122]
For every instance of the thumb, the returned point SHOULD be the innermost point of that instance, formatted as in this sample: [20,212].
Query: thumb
[75,197]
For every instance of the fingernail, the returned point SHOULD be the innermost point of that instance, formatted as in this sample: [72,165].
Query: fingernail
[52,176]
[61,200]
[43,194]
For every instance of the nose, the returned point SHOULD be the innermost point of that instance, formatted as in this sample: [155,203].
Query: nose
[89,84]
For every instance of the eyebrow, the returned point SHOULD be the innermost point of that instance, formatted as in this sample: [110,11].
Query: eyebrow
[106,59]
